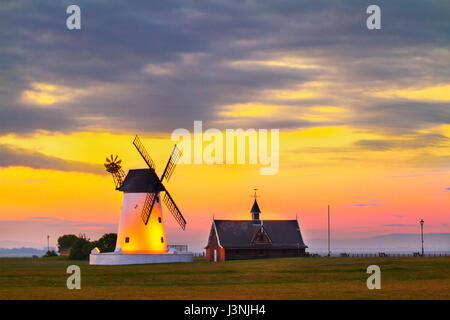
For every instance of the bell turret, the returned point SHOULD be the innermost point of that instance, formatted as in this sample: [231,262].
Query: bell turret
[255,212]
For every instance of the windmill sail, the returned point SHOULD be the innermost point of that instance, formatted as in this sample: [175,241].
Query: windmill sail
[144,154]
[174,210]
[171,164]
[151,196]
[113,166]
[148,207]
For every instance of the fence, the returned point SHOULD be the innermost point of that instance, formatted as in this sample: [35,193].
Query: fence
[178,247]
[383,254]
[414,254]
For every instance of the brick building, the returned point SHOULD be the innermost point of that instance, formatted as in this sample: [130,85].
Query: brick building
[254,239]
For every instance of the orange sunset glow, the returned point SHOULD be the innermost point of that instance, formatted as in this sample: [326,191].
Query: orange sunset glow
[363,123]
[368,190]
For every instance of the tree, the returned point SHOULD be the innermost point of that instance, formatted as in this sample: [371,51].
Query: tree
[81,249]
[66,241]
[81,246]
[107,243]
[50,253]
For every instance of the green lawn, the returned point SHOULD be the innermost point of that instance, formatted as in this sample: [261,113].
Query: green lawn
[288,278]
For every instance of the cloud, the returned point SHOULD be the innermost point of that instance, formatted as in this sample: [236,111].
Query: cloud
[13,156]
[379,145]
[23,180]
[46,94]
[163,65]
[416,142]
[81,225]
[36,229]
[24,120]
[401,225]
[402,116]
[365,205]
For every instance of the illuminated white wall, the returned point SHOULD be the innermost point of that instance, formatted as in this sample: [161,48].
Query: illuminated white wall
[142,238]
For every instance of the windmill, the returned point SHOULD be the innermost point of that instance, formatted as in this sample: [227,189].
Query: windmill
[141,227]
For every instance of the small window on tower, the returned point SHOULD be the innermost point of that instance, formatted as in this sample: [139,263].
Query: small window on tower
[159,219]
[127,239]
[157,199]
[162,240]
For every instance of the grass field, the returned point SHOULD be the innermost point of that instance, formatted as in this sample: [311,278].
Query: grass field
[288,278]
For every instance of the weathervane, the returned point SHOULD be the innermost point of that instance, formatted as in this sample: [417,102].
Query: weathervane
[255,195]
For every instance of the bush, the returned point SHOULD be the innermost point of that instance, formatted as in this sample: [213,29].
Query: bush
[50,253]
[81,249]
[107,243]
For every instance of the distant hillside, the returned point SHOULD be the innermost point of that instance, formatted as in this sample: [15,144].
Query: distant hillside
[432,241]
[10,244]
[22,252]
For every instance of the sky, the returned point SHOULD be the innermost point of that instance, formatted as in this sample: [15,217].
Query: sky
[363,115]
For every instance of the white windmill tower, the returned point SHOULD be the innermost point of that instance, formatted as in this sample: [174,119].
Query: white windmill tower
[141,226]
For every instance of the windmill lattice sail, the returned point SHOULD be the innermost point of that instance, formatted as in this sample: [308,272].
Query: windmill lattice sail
[143,152]
[174,210]
[172,163]
[148,206]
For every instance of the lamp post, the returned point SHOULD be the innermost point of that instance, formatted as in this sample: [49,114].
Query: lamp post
[421,232]
[329,250]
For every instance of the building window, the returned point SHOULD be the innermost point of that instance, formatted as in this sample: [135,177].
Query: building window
[157,199]
[261,252]
[127,239]
[162,239]
[283,251]
[236,251]
[159,219]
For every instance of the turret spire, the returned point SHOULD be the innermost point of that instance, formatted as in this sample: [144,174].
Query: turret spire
[255,209]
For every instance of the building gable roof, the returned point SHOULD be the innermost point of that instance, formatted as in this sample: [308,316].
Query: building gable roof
[261,236]
[240,233]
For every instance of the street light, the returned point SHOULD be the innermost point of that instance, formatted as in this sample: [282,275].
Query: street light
[421,231]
